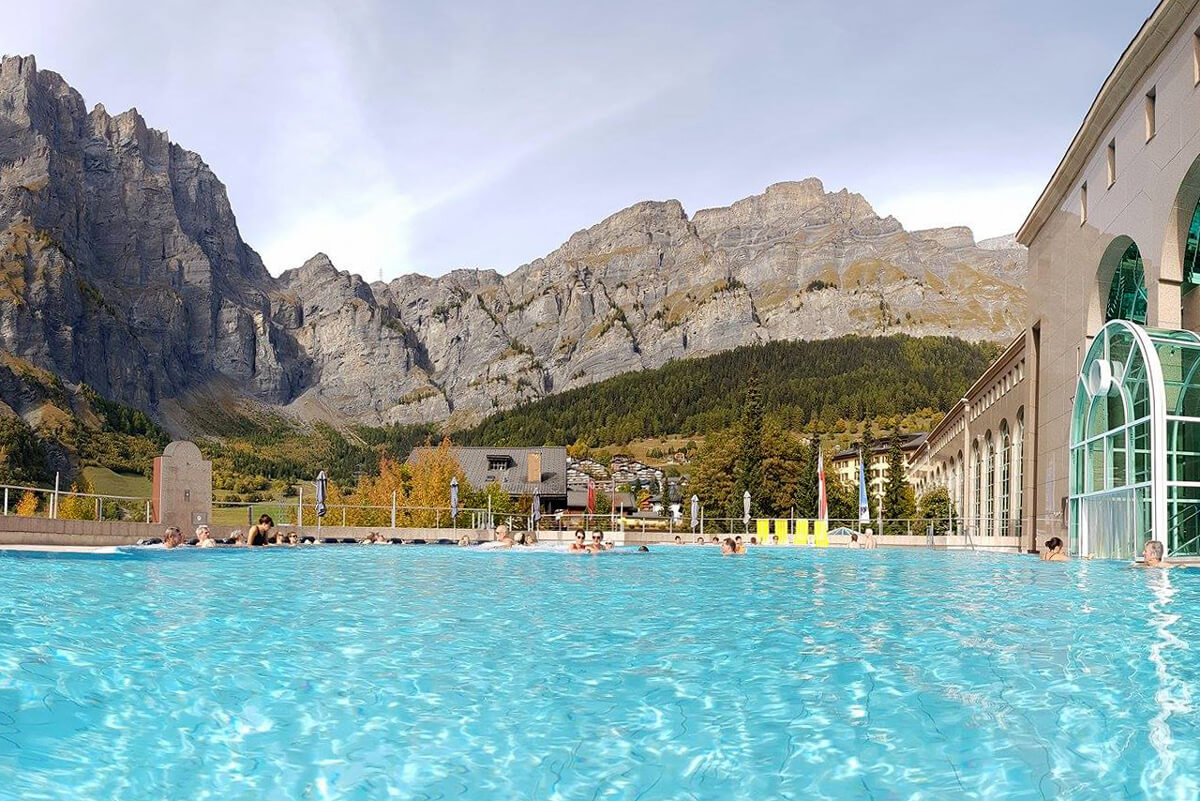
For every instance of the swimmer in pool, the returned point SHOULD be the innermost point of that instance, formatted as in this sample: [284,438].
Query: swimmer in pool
[1152,556]
[738,545]
[503,540]
[728,546]
[580,543]
[1054,551]
[678,540]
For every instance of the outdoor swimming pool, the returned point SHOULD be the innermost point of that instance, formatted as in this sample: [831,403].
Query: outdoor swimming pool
[378,672]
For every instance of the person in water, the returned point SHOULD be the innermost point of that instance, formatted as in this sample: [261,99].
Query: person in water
[728,546]
[738,545]
[464,541]
[1153,556]
[868,540]
[580,543]
[1055,551]
[678,540]
[204,537]
[502,541]
[854,540]
[699,540]
[716,540]
[260,533]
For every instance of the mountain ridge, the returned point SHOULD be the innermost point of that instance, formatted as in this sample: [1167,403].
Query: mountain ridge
[122,267]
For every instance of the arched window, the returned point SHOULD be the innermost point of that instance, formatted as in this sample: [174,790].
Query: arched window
[989,487]
[960,479]
[1005,478]
[976,480]
[1019,469]
[1191,250]
[1127,292]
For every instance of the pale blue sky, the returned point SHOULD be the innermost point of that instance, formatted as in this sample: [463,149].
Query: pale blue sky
[422,136]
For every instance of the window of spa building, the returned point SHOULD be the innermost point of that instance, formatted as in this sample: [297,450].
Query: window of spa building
[1191,251]
[1127,292]
[1151,123]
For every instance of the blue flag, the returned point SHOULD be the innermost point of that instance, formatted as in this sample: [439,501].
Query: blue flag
[864,508]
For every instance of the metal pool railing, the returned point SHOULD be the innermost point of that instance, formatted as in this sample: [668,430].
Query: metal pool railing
[285,513]
[59,504]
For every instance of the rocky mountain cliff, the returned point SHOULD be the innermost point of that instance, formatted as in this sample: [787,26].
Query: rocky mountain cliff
[121,266]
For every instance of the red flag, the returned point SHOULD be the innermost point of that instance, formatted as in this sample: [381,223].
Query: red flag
[591,501]
[823,501]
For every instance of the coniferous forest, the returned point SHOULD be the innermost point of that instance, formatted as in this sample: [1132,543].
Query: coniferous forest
[824,381]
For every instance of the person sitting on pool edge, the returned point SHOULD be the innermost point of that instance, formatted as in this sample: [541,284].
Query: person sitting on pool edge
[259,534]
[1054,551]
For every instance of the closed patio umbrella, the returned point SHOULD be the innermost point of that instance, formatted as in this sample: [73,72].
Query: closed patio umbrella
[322,486]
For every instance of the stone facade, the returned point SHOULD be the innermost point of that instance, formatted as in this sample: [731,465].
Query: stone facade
[1130,176]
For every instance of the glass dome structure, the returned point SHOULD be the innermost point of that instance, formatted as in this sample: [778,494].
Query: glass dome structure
[1135,443]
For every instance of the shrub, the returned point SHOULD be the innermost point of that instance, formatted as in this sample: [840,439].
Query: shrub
[28,505]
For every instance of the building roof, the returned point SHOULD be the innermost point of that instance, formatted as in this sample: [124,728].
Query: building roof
[908,442]
[476,464]
[1151,39]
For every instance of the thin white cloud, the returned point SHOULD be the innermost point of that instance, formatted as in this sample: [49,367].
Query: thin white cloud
[991,210]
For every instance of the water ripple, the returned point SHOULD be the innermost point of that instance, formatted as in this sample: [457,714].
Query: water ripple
[348,673]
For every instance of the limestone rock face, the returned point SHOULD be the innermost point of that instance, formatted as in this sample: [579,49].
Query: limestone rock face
[121,265]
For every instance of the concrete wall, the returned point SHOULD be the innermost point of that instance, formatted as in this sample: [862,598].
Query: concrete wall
[42,531]
[1071,261]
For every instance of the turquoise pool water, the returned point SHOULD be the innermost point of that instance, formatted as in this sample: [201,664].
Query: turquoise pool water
[433,673]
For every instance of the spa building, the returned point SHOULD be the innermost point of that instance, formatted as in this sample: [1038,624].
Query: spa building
[1087,427]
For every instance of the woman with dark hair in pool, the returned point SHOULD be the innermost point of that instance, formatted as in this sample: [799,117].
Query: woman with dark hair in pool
[729,546]
[1054,551]
[260,533]
[580,543]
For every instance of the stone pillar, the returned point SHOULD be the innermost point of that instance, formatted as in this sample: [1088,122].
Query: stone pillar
[182,486]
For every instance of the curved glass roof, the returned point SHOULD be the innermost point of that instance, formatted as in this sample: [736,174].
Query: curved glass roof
[1135,443]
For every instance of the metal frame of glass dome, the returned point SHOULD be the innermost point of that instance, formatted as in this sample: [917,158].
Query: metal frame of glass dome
[1135,443]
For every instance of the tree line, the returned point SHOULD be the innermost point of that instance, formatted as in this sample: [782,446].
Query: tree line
[801,384]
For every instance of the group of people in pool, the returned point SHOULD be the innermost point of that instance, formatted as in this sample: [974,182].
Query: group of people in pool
[1153,554]
[261,534]
[735,544]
